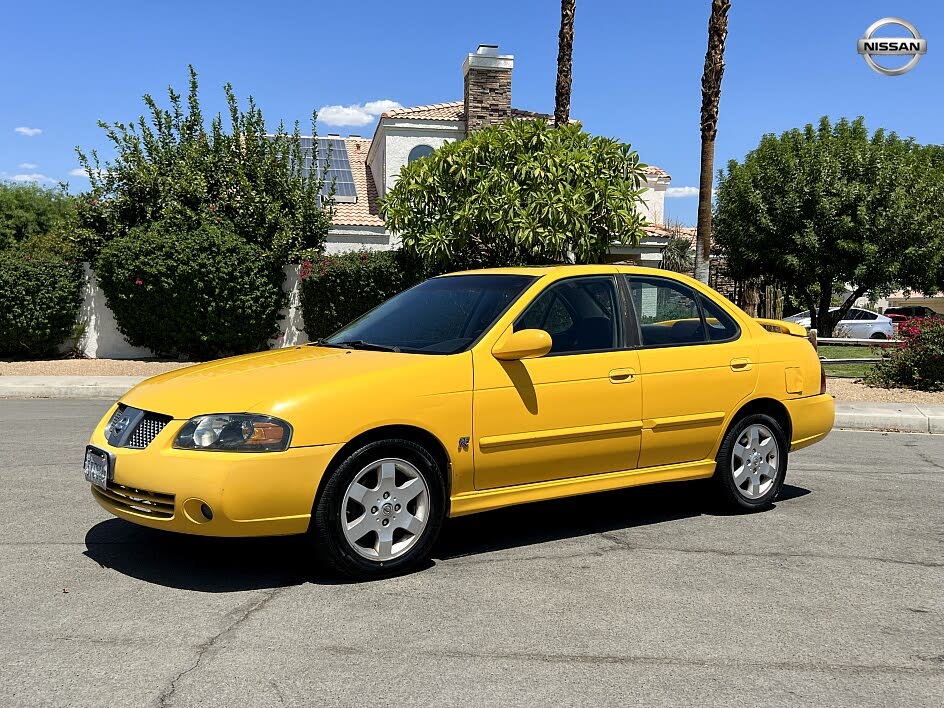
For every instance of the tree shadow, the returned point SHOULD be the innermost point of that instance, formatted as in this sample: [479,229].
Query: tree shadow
[206,564]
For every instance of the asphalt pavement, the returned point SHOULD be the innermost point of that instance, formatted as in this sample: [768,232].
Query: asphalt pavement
[644,596]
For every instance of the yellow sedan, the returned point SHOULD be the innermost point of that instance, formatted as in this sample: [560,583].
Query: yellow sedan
[468,392]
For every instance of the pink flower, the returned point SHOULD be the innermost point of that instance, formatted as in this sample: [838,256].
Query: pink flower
[138,281]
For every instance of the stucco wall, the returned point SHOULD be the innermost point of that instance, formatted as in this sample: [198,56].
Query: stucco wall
[102,340]
[400,139]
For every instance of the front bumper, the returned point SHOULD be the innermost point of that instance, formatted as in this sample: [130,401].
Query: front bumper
[811,419]
[250,494]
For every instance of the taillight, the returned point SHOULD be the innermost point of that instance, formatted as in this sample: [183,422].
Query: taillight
[822,378]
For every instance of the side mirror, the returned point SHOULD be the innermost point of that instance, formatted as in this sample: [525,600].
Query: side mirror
[524,344]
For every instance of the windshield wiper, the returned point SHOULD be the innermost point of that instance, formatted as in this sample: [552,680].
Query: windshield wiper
[358,344]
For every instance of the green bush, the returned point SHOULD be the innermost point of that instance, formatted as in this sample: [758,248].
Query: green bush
[918,362]
[28,210]
[40,297]
[202,292]
[338,289]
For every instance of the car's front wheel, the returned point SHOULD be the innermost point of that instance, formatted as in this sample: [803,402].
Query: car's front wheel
[380,511]
[751,463]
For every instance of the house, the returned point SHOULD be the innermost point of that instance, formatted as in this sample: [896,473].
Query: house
[372,166]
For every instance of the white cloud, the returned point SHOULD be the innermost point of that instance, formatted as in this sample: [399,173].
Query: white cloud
[28,132]
[378,107]
[681,192]
[32,177]
[27,165]
[80,172]
[356,114]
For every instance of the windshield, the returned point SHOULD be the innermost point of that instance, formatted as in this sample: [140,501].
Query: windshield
[439,316]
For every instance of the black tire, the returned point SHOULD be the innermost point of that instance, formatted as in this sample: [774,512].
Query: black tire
[728,493]
[878,335]
[325,531]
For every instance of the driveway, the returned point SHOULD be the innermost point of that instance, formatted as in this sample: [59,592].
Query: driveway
[836,596]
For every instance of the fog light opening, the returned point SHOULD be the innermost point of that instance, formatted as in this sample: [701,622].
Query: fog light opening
[206,511]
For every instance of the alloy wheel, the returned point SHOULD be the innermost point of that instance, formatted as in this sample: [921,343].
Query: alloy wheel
[385,509]
[755,460]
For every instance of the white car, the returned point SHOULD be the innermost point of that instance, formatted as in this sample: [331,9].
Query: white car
[857,324]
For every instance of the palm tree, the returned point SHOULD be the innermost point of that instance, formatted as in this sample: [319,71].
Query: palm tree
[565,60]
[677,255]
[710,95]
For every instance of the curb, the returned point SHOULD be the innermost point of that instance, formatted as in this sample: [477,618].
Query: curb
[107,387]
[898,417]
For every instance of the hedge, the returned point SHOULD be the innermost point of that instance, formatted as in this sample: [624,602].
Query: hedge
[203,293]
[338,289]
[40,296]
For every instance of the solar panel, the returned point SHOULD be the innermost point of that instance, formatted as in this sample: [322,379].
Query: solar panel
[328,156]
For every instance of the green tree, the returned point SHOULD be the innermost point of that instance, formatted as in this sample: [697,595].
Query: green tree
[523,192]
[170,167]
[28,211]
[812,210]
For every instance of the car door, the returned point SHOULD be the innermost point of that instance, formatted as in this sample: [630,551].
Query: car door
[853,325]
[696,366]
[575,411]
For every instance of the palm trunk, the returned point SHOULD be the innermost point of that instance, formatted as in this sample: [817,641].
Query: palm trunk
[565,55]
[703,233]
[710,97]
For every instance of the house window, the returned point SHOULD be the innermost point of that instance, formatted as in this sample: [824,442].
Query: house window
[418,152]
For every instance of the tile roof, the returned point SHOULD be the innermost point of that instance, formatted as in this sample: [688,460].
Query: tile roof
[660,231]
[365,211]
[453,110]
[654,171]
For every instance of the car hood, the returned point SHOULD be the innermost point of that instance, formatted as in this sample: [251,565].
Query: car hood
[268,382]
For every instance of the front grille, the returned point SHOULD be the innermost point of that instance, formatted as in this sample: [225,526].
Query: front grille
[133,427]
[155,505]
[149,427]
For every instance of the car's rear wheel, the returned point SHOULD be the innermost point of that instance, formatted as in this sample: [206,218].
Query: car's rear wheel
[751,463]
[380,511]
[878,335]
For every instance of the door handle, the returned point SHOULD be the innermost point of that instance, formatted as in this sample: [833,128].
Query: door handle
[741,364]
[622,375]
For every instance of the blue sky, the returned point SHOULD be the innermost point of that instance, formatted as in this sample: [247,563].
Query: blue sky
[637,69]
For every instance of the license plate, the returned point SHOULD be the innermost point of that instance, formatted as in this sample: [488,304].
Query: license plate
[98,467]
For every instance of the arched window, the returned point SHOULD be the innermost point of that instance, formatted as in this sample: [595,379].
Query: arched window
[418,152]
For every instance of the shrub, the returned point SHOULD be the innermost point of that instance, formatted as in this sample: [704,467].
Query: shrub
[203,292]
[918,362]
[40,295]
[522,192]
[338,289]
[176,164]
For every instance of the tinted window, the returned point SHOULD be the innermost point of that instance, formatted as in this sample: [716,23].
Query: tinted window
[667,311]
[866,315]
[580,314]
[440,316]
[719,324]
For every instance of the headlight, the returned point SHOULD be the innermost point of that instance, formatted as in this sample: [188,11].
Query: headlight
[234,432]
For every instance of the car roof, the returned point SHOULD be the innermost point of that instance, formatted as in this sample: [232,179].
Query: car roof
[565,269]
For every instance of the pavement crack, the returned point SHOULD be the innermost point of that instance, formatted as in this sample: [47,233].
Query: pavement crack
[621,545]
[236,617]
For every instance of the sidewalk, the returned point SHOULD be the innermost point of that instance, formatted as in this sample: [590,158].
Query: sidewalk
[902,417]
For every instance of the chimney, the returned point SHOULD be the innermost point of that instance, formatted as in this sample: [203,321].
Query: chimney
[487,87]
